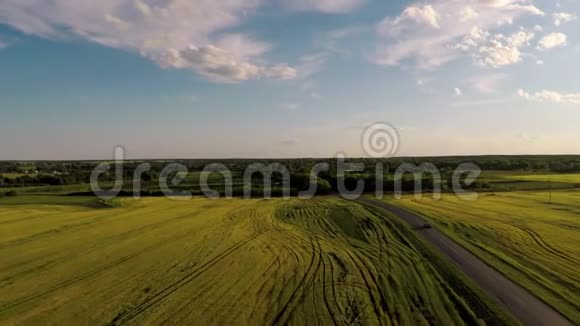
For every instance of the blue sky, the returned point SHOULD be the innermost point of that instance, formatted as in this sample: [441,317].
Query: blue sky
[282,78]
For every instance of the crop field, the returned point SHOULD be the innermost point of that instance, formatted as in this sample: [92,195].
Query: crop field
[525,180]
[573,178]
[532,240]
[158,261]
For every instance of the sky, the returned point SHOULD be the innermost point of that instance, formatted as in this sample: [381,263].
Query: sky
[287,78]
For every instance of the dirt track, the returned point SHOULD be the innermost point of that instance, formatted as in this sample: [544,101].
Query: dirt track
[519,302]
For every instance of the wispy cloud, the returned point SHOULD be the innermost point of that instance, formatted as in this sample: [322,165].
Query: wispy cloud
[334,41]
[177,34]
[562,18]
[291,107]
[325,6]
[481,102]
[550,96]
[486,84]
[311,64]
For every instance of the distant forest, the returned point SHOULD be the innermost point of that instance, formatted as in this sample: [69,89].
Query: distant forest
[14,174]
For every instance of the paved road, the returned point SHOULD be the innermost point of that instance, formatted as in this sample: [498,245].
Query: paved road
[522,305]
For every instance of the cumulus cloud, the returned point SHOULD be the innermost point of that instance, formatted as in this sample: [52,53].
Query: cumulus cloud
[550,96]
[502,50]
[432,35]
[412,16]
[553,40]
[467,14]
[562,18]
[180,33]
[325,6]
[457,91]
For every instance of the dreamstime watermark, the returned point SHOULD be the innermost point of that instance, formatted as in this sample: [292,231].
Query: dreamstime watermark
[379,141]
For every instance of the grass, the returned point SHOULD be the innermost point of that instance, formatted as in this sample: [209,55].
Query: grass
[573,178]
[49,200]
[201,261]
[16,175]
[50,190]
[531,240]
[525,180]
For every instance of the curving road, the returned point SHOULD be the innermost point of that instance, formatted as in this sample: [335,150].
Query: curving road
[518,301]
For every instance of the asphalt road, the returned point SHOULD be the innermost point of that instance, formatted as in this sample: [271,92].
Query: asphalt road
[518,301]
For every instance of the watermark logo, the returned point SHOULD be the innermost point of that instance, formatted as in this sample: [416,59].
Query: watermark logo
[350,180]
[380,140]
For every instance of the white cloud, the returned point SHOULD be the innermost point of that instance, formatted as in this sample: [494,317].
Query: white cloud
[538,28]
[553,40]
[486,84]
[179,33]
[424,81]
[311,64]
[467,14]
[562,18]
[325,6]
[550,96]
[539,62]
[332,41]
[435,34]
[426,15]
[525,137]
[316,96]
[502,50]
[221,65]
[457,91]
[291,107]
[411,16]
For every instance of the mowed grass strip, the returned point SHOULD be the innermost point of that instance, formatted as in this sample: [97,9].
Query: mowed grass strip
[533,240]
[234,262]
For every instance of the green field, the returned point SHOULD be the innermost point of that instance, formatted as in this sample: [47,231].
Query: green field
[201,261]
[533,241]
[526,180]
[573,178]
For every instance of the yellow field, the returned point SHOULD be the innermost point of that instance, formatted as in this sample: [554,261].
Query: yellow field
[255,262]
[522,234]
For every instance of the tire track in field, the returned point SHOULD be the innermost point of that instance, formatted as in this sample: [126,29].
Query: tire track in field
[543,244]
[334,284]
[274,266]
[305,282]
[364,260]
[367,287]
[324,288]
[89,274]
[369,290]
[126,316]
